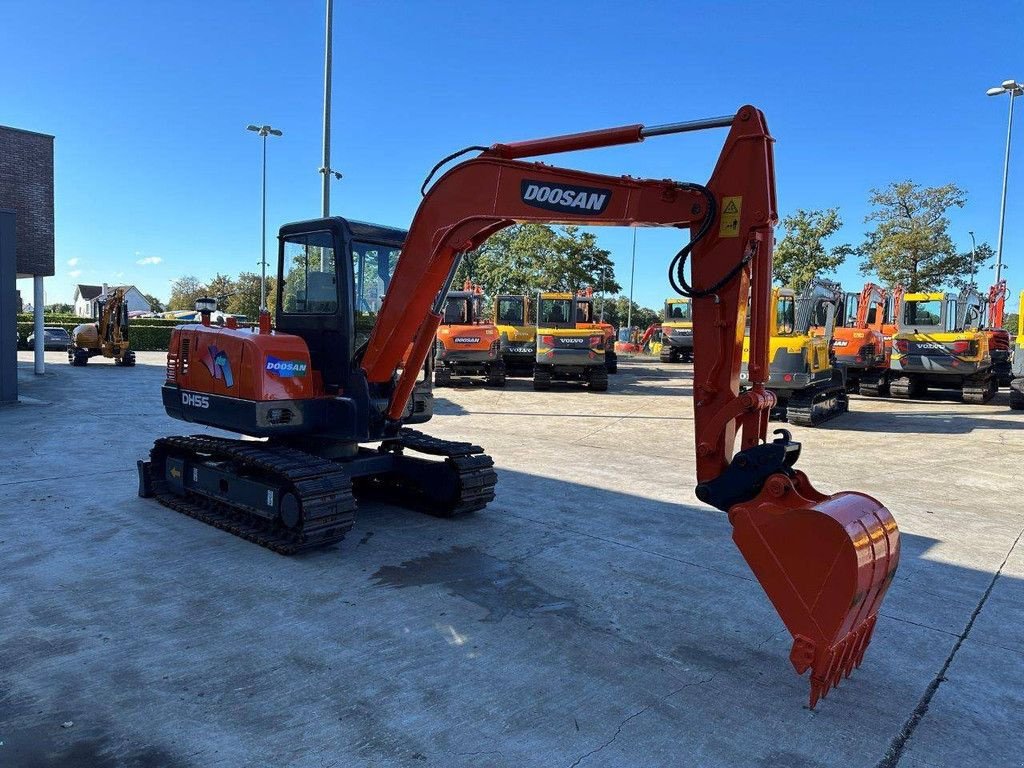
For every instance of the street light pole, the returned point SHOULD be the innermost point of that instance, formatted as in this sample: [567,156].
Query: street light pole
[264,131]
[1015,89]
[632,269]
[325,167]
[974,261]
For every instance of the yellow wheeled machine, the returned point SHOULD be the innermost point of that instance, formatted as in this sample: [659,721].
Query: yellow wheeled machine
[940,343]
[513,318]
[677,332]
[808,388]
[107,337]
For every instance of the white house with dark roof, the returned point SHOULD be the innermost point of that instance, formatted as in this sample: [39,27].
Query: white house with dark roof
[86,297]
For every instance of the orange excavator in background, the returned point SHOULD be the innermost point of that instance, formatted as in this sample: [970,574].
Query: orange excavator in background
[858,343]
[468,343]
[998,337]
[318,391]
[587,320]
[875,381]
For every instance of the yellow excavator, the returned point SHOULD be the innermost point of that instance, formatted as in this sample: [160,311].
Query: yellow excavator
[513,317]
[808,388]
[108,336]
[1017,371]
[566,352]
[941,343]
[677,332]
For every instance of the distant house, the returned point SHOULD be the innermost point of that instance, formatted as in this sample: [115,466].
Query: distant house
[86,297]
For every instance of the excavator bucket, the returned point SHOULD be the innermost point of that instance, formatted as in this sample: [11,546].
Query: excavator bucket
[825,563]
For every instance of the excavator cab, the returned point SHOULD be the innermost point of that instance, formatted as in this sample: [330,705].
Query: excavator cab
[514,321]
[677,330]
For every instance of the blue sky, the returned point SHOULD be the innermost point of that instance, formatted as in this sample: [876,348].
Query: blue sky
[157,177]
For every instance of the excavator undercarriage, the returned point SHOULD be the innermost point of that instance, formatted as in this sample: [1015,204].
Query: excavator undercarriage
[330,391]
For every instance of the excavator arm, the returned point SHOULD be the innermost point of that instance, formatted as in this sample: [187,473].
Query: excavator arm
[824,561]
[997,296]
[871,294]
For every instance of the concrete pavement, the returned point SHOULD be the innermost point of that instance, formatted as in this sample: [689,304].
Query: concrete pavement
[595,614]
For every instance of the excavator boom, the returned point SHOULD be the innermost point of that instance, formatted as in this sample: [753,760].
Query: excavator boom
[824,561]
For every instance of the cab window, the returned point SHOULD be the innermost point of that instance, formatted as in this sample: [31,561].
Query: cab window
[583,312]
[785,315]
[555,310]
[677,311]
[311,283]
[510,312]
[923,313]
[456,312]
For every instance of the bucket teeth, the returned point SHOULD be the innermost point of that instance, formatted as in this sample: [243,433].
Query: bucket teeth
[831,665]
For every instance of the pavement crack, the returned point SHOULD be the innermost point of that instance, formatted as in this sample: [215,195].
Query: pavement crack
[637,714]
[899,743]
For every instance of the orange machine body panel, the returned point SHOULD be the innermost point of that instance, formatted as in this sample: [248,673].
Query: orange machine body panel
[242,363]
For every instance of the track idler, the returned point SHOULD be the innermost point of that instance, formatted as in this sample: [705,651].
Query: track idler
[825,563]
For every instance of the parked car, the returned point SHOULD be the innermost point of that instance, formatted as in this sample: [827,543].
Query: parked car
[53,338]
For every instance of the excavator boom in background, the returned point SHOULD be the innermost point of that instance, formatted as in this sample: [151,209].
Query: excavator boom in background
[317,389]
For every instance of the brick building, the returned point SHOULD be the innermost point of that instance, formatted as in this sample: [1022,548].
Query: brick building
[27,248]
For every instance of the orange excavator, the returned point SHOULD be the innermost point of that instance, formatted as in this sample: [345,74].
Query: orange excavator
[468,343]
[587,320]
[333,404]
[875,381]
[998,337]
[859,346]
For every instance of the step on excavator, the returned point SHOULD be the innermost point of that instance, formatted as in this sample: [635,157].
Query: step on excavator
[330,402]
[588,320]
[1017,366]
[514,321]
[570,349]
[468,346]
[858,343]
[941,343]
[999,342]
[677,331]
[809,390]
[108,336]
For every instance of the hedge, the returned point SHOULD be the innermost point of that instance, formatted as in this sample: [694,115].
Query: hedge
[74,320]
[143,338]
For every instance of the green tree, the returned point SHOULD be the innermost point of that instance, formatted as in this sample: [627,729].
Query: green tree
[184,292]
[801,254]
[616,312]
[910,243]
[528,257]
[246,297]
[1012,323]
[59,309]
[154,303]
[220,288]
